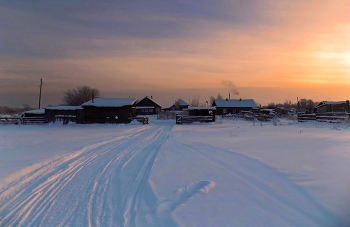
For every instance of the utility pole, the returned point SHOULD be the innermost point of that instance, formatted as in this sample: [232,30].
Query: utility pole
[41,85]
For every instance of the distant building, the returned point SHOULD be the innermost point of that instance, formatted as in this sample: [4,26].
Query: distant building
[233,106]
[109,110]
[71,113]
[180,105]
[327,107]
[147,106]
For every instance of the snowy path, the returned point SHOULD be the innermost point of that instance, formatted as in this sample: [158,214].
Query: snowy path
[161,174]
[103,184]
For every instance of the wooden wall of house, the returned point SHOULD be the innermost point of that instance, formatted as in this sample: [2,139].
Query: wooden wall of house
[108,114]
[50,114]
[231,110]
[151,103]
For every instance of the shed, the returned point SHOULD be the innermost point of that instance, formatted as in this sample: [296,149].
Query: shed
[233,106]
[33,116]
[201,111]
[63,112]
[147,106]
[109,110]
[330,107]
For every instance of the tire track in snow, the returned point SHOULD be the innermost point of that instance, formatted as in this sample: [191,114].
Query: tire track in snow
[103,184]
[270,184]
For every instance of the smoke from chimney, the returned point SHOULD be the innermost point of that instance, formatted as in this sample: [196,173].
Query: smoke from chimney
[230,87]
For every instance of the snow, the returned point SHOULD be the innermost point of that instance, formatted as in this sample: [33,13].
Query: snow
[110,102]
[235,103]
[64,108]
[233,173]
[144,107]
[201,108]
[38,111]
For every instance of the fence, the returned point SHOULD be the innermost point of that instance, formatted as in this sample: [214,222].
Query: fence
[324,117]
[180,119]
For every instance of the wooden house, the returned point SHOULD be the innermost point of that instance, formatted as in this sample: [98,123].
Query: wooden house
[331,107]
[233,106]
[147,106]
[109,110]
[180,105]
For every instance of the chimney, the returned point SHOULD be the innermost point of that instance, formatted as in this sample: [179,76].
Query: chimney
[151,97]
[229,96]
[92,97]
[226,99]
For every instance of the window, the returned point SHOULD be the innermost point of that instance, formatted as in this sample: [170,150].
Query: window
[224,111]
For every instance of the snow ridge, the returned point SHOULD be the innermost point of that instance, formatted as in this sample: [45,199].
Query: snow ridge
[103,184]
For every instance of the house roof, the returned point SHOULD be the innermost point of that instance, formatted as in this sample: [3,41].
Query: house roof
[64,108]
[235,103]
[110,102]
[201,108]
[149,99]
[181,102]
[330,103]
[39,111]
[144,107]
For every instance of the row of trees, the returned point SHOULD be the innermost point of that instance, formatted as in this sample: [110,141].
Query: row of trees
[303,105]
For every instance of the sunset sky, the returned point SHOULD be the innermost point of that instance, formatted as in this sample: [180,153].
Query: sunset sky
[267,50]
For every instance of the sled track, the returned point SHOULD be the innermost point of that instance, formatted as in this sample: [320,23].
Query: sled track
[102,184]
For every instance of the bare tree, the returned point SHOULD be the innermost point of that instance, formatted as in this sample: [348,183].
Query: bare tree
[79,95]
[195,101]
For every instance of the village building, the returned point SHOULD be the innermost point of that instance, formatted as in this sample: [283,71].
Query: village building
[147,106]
[109,110]
[330,107]
[233,106]
[33,116]
[64,113]
[180,105]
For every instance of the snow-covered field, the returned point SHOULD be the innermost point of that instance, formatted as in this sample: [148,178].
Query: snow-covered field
[232,173]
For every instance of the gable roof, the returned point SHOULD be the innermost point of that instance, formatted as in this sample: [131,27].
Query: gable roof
[181,102]
[235,103]
[110,102]
[146,97]
[330,103]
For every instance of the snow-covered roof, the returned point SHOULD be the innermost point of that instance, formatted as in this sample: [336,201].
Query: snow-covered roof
[235,103]
[144,107]
[110,102]
[149,99]
[64,108]
[181,102]
[201,108]
[39,111]
[330,103]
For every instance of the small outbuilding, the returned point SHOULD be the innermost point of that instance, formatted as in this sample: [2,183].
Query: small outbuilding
[330,107]
[109,110]
[33,116]
[233,106]
[147,106]
[64,113]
